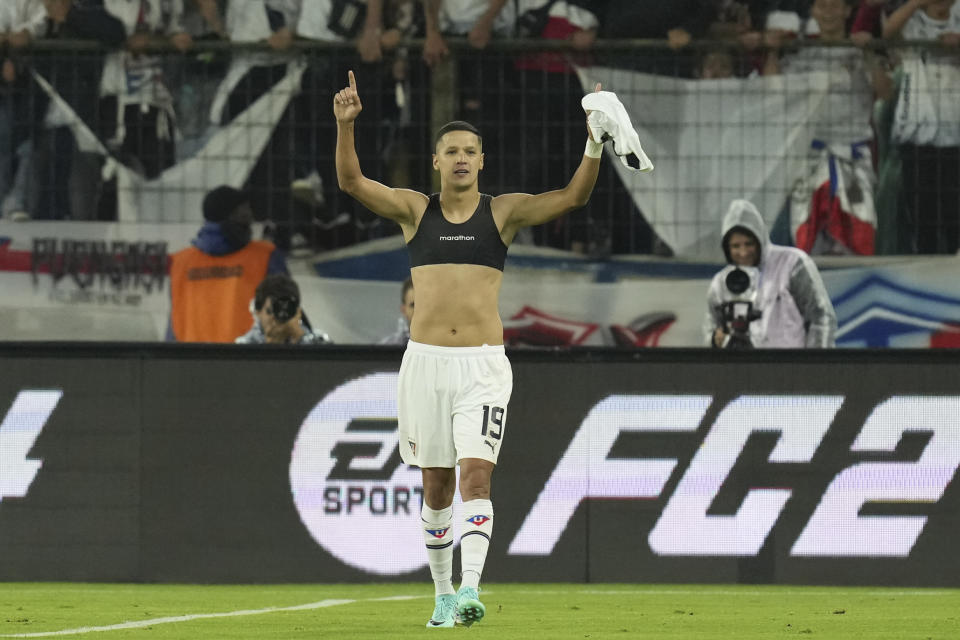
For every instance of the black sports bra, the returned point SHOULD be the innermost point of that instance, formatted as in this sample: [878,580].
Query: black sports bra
[476,241]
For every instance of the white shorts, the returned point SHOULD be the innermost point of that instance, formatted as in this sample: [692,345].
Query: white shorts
[452,403]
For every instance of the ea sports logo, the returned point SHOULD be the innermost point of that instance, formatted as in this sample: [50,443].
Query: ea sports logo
[354,494]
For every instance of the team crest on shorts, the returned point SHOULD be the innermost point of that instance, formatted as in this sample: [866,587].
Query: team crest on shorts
[413,446]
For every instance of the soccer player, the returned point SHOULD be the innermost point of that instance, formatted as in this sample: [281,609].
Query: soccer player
[455,380]
[795,309]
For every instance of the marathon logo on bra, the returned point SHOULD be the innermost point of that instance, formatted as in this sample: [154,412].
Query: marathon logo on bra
[349,483]
[458,238]
[686,526]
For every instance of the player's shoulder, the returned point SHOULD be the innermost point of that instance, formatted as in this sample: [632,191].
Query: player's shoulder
[506,202]
[412,195]
[416,202]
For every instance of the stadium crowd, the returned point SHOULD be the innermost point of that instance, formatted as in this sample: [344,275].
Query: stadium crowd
[147,94]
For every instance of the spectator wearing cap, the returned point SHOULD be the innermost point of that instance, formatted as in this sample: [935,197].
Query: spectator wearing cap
[213,281]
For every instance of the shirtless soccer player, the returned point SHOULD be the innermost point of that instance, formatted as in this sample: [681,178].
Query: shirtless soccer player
[455,380]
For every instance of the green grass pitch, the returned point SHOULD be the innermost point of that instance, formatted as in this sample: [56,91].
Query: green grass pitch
[525,611]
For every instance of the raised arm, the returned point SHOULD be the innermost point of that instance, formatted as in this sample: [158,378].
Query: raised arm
[401,205]
[518,210]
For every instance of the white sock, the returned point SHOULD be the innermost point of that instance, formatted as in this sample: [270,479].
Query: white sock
[438,536]
[478,527]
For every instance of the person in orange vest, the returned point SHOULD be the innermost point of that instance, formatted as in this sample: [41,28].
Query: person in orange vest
[213,281]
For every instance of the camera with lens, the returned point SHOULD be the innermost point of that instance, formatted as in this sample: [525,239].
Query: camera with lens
[283,308]
[738,305]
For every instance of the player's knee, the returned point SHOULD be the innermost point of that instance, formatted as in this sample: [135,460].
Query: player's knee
[474,493]
[474,486]
[438,488]
[438,497]
[475,479]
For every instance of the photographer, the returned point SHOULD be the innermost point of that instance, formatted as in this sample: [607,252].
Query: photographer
[277,316]
[770,296]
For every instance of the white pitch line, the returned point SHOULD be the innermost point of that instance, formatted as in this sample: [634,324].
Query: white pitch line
[736,592]
[196,616]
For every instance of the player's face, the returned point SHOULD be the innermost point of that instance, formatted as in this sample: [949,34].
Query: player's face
[407,307]
[744,251]
[459,158]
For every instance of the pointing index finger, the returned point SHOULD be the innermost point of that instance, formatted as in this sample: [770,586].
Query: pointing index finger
[353,80]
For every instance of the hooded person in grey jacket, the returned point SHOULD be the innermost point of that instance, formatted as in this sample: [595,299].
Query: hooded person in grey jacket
[794,308]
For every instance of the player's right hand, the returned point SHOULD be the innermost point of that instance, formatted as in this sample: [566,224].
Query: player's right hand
[346,102]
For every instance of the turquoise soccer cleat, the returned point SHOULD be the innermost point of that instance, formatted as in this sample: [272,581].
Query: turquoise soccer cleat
[444,612]
[469,607]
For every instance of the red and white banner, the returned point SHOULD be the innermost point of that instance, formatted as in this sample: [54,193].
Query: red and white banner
[832,210]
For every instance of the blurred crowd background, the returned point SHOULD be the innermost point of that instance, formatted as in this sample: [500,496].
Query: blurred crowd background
[132,110]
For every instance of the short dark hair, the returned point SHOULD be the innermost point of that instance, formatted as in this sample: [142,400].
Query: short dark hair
[407,285]
[275,286]
[457,125]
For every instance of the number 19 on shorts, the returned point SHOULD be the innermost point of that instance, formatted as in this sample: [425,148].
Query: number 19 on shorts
[492,422]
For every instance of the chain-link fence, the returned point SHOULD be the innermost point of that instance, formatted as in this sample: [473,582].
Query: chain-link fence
[844,150]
